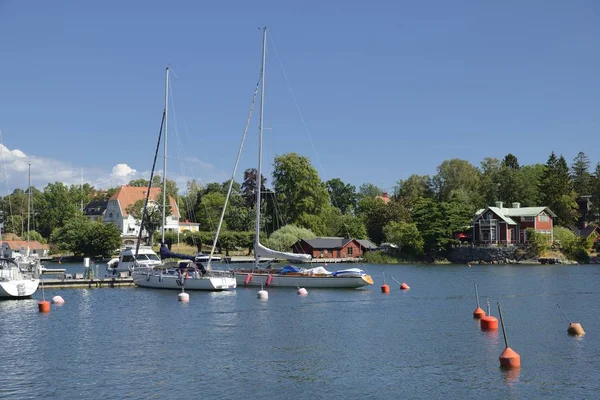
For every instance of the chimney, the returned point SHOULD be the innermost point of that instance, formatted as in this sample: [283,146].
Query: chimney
[516,205]
[499,204]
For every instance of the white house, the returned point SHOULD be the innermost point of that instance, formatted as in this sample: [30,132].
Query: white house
[9,247]
[116,211]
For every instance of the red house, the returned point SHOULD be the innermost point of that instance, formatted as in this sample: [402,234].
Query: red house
[499,225]
[329,247]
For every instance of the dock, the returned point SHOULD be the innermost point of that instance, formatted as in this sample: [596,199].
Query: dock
[79,283]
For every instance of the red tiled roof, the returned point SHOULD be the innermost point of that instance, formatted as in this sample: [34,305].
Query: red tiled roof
[127,195]
[18,244]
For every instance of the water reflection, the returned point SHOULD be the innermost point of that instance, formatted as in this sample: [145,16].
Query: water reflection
[511,376]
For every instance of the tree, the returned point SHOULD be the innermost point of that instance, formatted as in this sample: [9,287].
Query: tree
[428,217]
[376,214]
[88,238]
[209,211]
[153,218]
[299,190]
[510,161]
[284,238]
[414,188]
[405,235]
[190,200]
[580,174]
[490,180]
[368,190]
[55,208]
[139,182]
[343,225]
[248,188]
[557,190]
[342,195]
[594,215]
[457,174]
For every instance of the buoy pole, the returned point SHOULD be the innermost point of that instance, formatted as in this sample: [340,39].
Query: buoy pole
[43,306]
[478,313]
[395,280]
[385,288]
[509,358]
[489,323]
[561,310]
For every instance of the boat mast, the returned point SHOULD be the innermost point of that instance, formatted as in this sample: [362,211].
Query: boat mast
[260,135]
[164,189]
[28,206]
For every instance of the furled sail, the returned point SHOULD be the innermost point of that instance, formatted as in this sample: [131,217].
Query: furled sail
[166,253]
[263,251]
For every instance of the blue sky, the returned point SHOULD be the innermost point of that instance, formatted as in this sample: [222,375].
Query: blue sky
[386,88]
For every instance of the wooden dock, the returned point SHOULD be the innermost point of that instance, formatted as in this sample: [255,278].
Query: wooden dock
[79,283]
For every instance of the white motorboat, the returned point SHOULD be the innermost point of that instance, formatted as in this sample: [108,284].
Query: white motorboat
[146,257]
[17,281]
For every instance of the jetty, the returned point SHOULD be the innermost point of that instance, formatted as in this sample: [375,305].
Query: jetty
[79,282]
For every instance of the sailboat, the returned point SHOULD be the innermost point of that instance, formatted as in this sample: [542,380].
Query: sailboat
[184,274]
[19,276]
[289,276]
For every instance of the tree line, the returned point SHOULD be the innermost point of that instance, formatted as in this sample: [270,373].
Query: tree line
[421,216]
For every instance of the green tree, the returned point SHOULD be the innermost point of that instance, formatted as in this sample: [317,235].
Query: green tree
[343,195]
[343,225]
[139,182]
[55,208]
[299,190]
[532,176]
[580,174]
[490,180]
[406,236]
[539,242]
[248,188]
[594,215]
[557,190]
[368,190]
[457,174]
[284,238]
[190,200]
[414,188]
[209,211]
[88,238]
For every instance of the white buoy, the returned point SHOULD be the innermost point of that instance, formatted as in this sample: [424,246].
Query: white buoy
[262,294]
[86,262]
[58,300]
[183,297]
[302,291]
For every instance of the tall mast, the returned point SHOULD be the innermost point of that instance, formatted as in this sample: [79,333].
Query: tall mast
[28,206]
[164,189]
[260,135]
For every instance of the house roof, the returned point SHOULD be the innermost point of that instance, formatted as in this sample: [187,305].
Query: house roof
[95,207]
[328,242]
[22,244]
[587,231]
[506,213]
[187,223]
[127,195]
[367,244]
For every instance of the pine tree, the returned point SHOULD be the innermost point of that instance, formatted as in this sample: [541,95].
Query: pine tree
[557,191]
[580,174]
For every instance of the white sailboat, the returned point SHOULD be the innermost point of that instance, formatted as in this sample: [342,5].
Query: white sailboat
[289,276]
[184,274]
[19,276]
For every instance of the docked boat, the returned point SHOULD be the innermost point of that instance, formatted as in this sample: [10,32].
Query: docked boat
[186,273]
[289,276]
[17,280]
[146,257]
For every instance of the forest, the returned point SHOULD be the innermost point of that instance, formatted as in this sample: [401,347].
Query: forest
[421,216]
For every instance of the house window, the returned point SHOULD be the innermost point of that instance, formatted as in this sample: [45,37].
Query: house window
[544,217]
[110,215]
[350,249]
[488,215]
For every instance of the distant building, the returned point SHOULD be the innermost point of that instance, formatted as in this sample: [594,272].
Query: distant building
[95,210]
[9,247]
[116,211]
[329,247]
[189,226]
[499,225]
[384,196]
[367,245]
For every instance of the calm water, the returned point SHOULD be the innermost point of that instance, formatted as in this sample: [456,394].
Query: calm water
[137,343]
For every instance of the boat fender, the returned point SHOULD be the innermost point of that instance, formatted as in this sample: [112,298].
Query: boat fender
[148,277]
[247,280]
[186,274]
[269,279]
[160,278]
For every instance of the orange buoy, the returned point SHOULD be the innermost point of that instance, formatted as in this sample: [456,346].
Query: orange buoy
[574,328]
[404,286]
[488,323]
[247,280]
[44,306]
[478,313]
[269,279]
[385,288]
[509,358]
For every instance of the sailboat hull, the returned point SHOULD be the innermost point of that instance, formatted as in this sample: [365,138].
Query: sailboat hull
[18,289]
[209,283]
[330,282]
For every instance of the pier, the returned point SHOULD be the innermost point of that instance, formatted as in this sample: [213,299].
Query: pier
[79,283]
